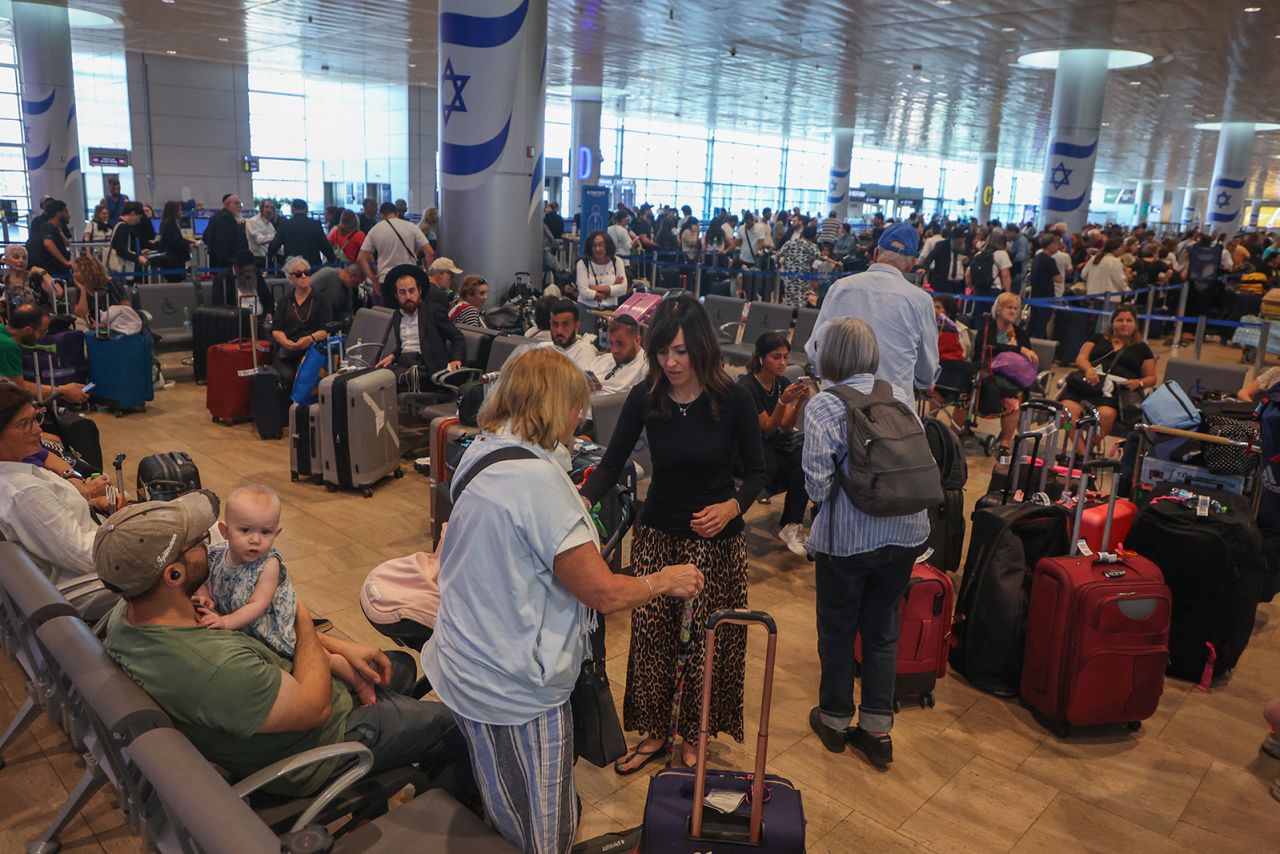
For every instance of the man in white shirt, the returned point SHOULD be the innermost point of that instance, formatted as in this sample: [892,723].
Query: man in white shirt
[621,237]
[625,365]
[390,243]
[755,237]
[580,349]
[260,229]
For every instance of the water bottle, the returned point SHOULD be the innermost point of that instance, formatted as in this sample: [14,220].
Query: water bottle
[186,319]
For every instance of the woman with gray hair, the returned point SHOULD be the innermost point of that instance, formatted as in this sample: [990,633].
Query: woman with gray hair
[863,562]
[301,321]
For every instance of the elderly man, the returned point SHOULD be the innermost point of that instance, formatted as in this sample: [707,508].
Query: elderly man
[625,365]
[224,236]
[260,229]
[242,705]
[420,340]
[901,313]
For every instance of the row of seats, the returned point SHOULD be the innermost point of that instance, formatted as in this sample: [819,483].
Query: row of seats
[171,796]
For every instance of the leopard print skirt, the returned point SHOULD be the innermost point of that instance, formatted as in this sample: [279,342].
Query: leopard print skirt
[655,638]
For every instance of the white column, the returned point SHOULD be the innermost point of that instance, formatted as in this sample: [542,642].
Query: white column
[986,188]
[1079,87]
[1188,217]
[492,104]
[1230,170]
[43,36]
[838,180]
[584,159]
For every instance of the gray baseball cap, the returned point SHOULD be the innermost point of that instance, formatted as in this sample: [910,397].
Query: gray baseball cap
[135,544]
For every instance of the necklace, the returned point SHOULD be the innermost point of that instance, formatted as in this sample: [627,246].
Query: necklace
[683,407]
[298,315]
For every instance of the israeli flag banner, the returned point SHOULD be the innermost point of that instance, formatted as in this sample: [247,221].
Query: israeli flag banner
[1226,198]
[838,187]
[482,53]
[1068,176]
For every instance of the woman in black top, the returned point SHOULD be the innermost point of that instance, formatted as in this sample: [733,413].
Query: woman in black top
[174,249]
[125,252]
[694,417]
[778,402]
[1121,355]
[300,322]
[1000,332]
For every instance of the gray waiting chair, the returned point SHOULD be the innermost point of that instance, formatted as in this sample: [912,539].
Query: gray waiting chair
[723,311]
[761,317]
[1197,377]
[368,329]
[479,343]
[502,348]
[806,320]
[1046,350]
[433,821]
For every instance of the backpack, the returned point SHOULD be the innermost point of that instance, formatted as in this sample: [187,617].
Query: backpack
[1203,263]
[889,470]
[981,271]
[947,452]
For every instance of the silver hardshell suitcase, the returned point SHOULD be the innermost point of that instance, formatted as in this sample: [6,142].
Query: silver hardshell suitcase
[358,436]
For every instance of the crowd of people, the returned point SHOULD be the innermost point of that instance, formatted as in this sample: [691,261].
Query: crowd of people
[209,622]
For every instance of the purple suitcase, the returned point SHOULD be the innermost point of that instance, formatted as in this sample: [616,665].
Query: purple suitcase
[773,818]
[70,364]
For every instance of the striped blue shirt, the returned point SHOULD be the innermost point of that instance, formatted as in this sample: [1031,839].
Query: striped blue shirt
[841,529]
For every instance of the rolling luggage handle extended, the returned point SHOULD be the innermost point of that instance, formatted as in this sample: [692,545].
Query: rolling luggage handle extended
[735,618]
[1089,423]
[1077,527]
[1249,448]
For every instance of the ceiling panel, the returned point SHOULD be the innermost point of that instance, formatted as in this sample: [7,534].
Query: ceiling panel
[922,77]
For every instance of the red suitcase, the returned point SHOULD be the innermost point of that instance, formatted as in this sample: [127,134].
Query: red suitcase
[227,393]
[1097,640]
[1094,523]
[924,635]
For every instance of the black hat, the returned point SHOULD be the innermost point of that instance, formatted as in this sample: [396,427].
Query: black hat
[401,270]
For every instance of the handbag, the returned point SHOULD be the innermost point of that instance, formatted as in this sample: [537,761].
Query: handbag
[1128,405]
[1016,368]
[1169,406]
[597,732]
[1077,384]
[1229,459]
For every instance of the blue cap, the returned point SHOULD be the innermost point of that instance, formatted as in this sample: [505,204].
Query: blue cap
[901,237]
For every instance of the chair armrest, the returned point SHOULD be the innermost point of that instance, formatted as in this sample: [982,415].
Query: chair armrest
[363,762]
[455,379]
[726,334]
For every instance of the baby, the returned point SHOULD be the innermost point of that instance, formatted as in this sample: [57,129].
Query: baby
[248,587]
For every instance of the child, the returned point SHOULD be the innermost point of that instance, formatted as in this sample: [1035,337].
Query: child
[248,587]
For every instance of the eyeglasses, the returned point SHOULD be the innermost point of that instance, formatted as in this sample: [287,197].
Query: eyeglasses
[24,424]
[297,274]
[203,541]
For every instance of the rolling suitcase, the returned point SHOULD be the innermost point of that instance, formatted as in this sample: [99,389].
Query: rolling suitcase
[69,363]
[1097,635]
[267,401]
[991,604]
[232,366]
[120,369]
[443,433]
[164,477]
[304,444]
[210,325]
[771,818]
[924,634]
[359,439]
[1213,564]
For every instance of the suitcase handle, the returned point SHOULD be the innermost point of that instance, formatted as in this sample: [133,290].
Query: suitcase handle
[1085,468]
[735,617]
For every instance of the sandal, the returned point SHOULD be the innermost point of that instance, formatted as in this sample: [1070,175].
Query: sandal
[649,756]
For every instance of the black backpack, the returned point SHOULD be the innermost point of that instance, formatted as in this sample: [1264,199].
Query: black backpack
[947,453]
[889,469]
[981,269]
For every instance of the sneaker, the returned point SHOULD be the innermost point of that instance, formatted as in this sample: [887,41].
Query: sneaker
[832,739]
[1271,745]
[877,749]
[793,536]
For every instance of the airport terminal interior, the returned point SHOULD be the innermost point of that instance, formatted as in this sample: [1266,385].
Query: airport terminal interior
[1037,173]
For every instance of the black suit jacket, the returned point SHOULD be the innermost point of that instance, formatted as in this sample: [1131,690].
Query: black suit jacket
[302,236]
[439,340]
[224,237]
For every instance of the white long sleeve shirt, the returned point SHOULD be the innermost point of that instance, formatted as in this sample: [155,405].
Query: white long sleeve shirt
[49,518]
[259,232]
[590,275]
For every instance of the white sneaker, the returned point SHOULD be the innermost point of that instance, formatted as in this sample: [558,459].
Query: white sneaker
[793,536]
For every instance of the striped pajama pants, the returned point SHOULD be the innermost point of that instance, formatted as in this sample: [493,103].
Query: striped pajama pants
[525,775]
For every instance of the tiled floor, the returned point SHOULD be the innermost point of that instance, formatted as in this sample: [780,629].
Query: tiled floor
[973,774]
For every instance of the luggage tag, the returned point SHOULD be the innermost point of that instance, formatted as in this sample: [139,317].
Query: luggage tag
[1083,547]
[1202,505]
[928,553]
[724,801]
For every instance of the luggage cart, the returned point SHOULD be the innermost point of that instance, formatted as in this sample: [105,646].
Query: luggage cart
[1148,470]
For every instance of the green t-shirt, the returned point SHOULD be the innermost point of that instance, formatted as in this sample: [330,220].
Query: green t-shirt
[218,687]
[10,355]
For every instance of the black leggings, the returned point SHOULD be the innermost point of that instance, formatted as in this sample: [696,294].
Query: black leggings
[784,470]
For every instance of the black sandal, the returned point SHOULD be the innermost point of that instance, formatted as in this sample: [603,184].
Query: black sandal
[649,756]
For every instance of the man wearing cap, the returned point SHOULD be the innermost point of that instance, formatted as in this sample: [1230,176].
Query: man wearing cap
[390,243]
[901,313]
[420,334]
[242,705]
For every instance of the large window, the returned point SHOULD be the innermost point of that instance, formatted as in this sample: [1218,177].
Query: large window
[102,118]
[13,160]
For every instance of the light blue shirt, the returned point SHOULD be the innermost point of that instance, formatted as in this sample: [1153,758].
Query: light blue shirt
[510,638]
[840,529]
[900,313]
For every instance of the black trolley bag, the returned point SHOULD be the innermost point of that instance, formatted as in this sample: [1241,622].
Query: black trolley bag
[1214,566]
[164,477]
[946,520]
[1005,543]
[772,816]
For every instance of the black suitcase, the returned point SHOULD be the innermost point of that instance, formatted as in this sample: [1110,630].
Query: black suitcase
[268,401]
[991,605]
[211,325]
[303,448]
[946,531]
[1214,566]
[164,477]
[1072,330]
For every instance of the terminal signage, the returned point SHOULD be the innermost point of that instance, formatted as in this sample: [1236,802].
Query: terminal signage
[593,213]
[249,164]
[118,157]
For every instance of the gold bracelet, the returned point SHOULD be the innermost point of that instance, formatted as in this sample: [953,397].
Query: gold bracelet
[645,579]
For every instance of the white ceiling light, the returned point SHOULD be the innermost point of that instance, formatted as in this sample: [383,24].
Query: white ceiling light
[1251,9]
[223,39]
[1258,127]
[1048,59]
[1008,29]
[1135,82]
[172,52]
[88,20]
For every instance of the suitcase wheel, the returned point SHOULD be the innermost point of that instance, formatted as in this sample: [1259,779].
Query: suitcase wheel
[397,473]
[989,445]
[927,701]
[329,487]
[293,476]
[120,414]
[1135,725]
[897,705]
[215,419]
[367,492]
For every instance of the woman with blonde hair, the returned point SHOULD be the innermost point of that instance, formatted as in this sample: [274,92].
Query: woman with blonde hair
[521,578]
[1002,331]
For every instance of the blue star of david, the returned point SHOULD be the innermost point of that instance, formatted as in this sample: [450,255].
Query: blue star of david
[1060,176]
[1223,199]
[833,185]
[459,82]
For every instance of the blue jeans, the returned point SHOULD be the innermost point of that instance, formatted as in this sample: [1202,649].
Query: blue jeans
[860,594]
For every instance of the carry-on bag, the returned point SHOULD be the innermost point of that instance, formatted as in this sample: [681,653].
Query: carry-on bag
[304,445]
[69,364]
[764,812]
[164,477]
[1097,634]
[359,436]
[924,634]
[210,325]
[947,520]
[268,402]
[991,604]
[231,368]
[1208,546]
[1169,406]
[1030,472]
[120,369]
[78,433]
[321,360]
